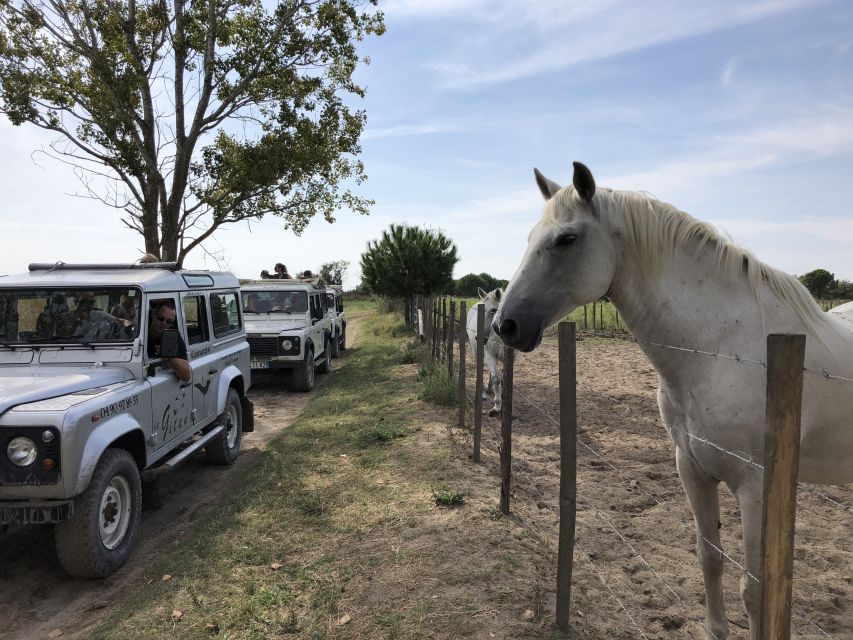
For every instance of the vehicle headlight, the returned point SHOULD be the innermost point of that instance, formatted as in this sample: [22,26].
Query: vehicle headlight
[21,451]
[287,345]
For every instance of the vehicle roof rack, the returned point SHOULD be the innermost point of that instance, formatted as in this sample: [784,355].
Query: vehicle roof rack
[62,266]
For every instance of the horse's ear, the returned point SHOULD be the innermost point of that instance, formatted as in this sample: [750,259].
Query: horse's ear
[548,187]
[481,293]
[498,293]
[583,181]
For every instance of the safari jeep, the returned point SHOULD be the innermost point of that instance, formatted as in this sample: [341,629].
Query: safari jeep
[288,327]
[87,411]
[335,304]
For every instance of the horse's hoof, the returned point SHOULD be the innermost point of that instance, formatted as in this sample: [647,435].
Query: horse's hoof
[494,412]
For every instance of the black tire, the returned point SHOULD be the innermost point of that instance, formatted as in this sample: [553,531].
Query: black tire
[344,338]
[98,539]
[303,377]
[336,347]
[225,447]
[326,365]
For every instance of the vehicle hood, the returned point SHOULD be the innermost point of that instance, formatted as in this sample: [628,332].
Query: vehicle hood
[275,324]
[21,385]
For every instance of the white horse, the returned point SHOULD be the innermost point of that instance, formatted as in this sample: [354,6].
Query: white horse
[493,350]
[677,283]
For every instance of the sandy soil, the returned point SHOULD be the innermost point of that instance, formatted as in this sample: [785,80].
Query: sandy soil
[635,538]
[36,597]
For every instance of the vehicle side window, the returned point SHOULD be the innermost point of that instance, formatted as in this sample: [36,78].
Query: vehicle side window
[324,305]
[225,313]
[313,300]
[339,303]
[195,315]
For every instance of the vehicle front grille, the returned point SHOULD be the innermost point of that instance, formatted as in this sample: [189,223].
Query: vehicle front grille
[263,346]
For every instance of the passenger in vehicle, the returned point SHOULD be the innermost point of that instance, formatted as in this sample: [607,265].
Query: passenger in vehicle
[91,323]
[125,308]
[163,316]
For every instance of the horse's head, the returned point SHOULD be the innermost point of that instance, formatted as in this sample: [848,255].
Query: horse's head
[570,260]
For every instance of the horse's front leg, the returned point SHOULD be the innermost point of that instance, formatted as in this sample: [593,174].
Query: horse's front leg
[750,498]
[495,385]
[702,494]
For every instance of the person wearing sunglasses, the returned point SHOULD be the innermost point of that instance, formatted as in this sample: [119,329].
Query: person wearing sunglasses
[163,317]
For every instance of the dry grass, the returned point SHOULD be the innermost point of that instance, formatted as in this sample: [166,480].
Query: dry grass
[335,531]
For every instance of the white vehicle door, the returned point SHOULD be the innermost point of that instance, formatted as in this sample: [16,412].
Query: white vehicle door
[317,324]
[203,361]
[171,399]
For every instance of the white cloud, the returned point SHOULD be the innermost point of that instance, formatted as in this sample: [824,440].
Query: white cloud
[728,72]
[515,40]
[822,134]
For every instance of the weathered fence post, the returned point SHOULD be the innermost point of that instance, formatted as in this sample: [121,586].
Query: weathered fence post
[443,346]
[463,316]
[506,429]
[785,357]
[568,469]
[433,332]
[584,318]
[451,328]
[478,386]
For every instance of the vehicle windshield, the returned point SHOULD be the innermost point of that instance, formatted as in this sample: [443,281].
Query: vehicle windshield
[275,301]
[68,316]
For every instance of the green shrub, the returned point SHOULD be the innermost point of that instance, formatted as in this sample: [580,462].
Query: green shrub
[445,497]
[437,386]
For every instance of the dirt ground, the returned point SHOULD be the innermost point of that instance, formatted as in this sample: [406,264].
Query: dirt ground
[36,597]
[635,565]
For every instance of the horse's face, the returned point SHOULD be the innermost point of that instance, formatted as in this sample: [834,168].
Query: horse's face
[570,261]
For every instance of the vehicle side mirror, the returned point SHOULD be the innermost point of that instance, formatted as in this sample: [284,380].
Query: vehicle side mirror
[169,343]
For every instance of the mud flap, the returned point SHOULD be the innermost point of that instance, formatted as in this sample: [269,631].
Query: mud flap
[248,414]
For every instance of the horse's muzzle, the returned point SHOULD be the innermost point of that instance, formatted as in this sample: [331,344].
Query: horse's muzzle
[512,334]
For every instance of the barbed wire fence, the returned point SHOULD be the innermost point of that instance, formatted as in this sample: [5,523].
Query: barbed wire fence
[439,328]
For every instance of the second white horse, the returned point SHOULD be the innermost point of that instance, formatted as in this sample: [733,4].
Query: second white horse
[493,346]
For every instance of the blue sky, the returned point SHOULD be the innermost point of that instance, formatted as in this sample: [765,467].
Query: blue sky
[740,113]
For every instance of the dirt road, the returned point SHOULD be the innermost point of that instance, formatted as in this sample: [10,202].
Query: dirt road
[36,597]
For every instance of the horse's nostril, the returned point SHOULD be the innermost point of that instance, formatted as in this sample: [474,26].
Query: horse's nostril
[508,328]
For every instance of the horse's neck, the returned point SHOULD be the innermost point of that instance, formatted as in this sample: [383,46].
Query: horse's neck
[690,303]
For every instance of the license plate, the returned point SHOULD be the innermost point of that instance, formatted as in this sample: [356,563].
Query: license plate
[35,514]
[259,364]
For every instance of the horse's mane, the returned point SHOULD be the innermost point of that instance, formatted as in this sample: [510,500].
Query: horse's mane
[656,229]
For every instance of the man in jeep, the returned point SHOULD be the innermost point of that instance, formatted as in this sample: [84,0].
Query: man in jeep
[163,317]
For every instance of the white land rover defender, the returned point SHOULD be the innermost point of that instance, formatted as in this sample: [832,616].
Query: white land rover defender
[335,304]
[87,411]
[288,327]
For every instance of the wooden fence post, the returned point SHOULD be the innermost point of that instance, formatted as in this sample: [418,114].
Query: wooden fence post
[584,318]
[568,469]
[506,429]
[433,326]
[463,339]
[451,329]
[785,357]
[443,346]
[478,386]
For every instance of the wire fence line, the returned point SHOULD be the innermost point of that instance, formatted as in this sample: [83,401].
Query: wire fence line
[735,357]
[739,455]
[822,373]
[665,506]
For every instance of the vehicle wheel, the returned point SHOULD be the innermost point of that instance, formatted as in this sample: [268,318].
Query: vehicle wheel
[303,377]
[225,447]
[336,347]
[98,539]
[326,365]
[344,338]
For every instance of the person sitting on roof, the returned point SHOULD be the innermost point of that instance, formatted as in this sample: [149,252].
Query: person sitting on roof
[281,272]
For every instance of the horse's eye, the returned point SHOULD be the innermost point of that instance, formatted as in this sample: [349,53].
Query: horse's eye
[565,239]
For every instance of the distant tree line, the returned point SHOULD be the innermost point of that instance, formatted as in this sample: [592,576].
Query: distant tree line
[467,285]
[823,285]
